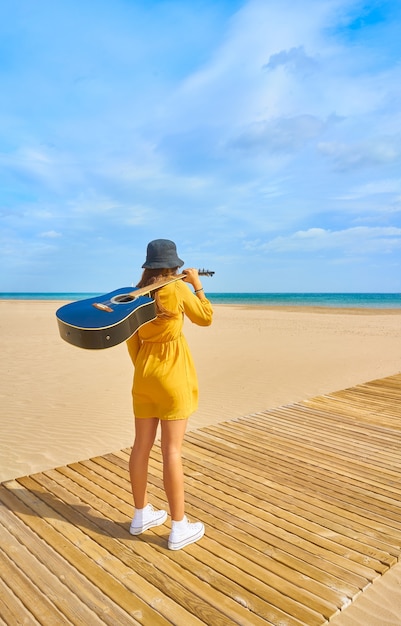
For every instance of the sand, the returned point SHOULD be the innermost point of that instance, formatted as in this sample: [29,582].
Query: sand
[61,404]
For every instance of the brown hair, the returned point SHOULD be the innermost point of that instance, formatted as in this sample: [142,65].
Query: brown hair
[150,276]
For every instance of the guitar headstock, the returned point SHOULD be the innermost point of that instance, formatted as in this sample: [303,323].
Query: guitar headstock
[204,272]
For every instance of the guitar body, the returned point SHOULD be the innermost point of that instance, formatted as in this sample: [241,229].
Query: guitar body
[104,321]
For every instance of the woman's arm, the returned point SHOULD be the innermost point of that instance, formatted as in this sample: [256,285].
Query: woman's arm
[196,307]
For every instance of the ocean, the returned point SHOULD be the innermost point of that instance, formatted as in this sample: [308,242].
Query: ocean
[335,300]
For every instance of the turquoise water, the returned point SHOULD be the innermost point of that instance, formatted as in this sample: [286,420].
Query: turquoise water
[344,300]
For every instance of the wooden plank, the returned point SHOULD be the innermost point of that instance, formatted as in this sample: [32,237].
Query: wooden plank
[253,585]
[245,434]
[71,585]
[42,609]
[347,469]
[308,478]
[12,611]
[169,586]
[310,508]
[244,431]
[279,465]
[233,588]
[329,430]
[49,585]
[49,526]
[116,554]
[297,579]
[313,453]
[229,478]
[204,504]
[314,532]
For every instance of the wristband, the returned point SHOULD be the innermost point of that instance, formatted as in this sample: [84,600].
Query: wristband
[198,290]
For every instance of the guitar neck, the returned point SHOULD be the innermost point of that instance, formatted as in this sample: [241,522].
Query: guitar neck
[143,291]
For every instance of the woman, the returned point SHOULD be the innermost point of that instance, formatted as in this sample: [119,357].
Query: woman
[165,390]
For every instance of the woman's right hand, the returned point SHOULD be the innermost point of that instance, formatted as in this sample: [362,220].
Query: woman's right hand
[192,277]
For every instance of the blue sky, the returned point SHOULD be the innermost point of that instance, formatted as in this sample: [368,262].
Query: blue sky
[263,136]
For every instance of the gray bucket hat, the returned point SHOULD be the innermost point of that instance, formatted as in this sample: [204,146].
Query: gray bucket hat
[162,253]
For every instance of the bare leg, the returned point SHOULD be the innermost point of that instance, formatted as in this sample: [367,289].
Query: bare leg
[173,432]
[145,433]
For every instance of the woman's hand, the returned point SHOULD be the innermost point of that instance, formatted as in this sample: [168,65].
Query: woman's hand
[192,277]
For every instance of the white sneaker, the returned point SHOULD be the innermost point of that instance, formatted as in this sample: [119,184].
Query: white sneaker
[147,518]
[183,533]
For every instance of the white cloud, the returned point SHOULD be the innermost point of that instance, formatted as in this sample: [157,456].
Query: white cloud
[295,59]
[50,234]
[28,160]
[377,187]
[346,156]
[279,135]
[359,240]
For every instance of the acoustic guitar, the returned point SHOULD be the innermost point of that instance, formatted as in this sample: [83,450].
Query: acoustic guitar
[105,321]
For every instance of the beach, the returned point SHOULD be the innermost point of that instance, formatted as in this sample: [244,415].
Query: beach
[61,404]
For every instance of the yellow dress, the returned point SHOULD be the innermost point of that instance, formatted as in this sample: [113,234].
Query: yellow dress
[165,381]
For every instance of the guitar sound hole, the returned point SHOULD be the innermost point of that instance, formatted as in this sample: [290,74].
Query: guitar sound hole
[125,297]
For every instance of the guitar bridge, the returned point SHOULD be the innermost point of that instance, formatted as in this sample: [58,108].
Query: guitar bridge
[102,307]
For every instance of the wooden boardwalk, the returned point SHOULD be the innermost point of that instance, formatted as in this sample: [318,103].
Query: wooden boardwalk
[302,506]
